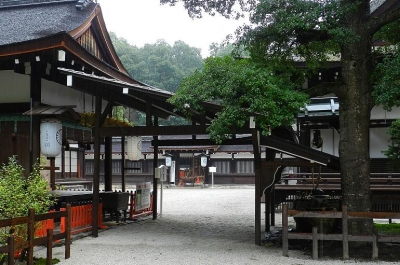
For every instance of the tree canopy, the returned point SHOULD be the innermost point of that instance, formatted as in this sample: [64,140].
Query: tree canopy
[297,38]
[160,64]
[243,88]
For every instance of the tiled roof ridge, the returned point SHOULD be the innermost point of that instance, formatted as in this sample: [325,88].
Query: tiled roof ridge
[24,3]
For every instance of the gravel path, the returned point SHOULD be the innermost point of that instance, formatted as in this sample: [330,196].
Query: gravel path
[197,226]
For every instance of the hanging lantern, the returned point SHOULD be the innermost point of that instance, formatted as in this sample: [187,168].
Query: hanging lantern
[133,148]
[50,137]
[168,160]
[203,160]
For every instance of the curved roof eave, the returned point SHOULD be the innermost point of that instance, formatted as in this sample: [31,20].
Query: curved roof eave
[96,19]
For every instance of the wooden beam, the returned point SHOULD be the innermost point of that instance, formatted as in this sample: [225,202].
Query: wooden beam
[200,142]
[164,130]
[114,93]
[289,163]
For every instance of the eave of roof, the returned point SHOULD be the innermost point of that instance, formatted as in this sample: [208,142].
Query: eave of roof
[63,41]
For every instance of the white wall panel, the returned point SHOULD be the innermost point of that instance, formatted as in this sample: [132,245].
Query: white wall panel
[379,141]
[14,87]
[55,94]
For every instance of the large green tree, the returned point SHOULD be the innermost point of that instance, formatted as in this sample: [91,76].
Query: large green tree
[160,64]
[242,87]
[314,32]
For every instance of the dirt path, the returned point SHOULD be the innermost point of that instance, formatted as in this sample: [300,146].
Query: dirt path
[197,226]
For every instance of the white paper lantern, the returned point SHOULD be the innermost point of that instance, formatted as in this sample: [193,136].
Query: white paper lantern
[168,161]
[203,160]
[50,137]
[133,147]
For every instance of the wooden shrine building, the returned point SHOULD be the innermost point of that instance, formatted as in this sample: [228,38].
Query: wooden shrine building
[57,62]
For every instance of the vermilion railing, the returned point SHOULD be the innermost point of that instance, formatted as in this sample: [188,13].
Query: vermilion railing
[82,218]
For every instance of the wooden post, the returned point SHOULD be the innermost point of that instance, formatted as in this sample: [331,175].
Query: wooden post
[96,173]
[375,244]
[49,246]
[31,235]
[11,249]
[272,199]
[345,232]
[257,174]
[285,240]
[108,178]
[123,164]
[52,169]
[268,210]
[315,242]
[68,232]
[155,165]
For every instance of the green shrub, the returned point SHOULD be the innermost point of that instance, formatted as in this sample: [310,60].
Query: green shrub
[19,194]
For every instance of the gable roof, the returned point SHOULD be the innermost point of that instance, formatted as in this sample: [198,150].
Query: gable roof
[30,20]
[32,29]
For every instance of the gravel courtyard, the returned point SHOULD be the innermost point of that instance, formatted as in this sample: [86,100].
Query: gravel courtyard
[197,226]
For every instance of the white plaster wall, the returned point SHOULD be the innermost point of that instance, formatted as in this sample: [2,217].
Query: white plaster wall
[378,142]
[55,94]
[378,113]
[14,87]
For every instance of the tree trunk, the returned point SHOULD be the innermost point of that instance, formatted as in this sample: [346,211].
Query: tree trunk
[355,107]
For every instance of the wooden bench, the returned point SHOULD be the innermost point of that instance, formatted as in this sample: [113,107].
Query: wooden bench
[344,236]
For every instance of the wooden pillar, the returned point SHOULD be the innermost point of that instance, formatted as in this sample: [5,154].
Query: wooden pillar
[108,163]
[53,173]
[273,206]
[257,171]
[155,164]
[123,165]
[63,160]
[177,160]
[36,94]
[96,173]
[232,164]
[267,204]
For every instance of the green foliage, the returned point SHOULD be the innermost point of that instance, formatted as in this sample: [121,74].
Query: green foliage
[227,8]
[389,33]
[387,87]
[287,31]
[241,87]
[388,229]
[160,64]
[19,194]
[393,151]
[227,49]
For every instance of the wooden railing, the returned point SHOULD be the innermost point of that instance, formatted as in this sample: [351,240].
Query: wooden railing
[31,241]
[344,236]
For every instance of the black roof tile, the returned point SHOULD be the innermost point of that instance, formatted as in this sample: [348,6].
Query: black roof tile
[31,20]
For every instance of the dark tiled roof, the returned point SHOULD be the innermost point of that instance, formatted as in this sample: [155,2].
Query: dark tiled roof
[32,21]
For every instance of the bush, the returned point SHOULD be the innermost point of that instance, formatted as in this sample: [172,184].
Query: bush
[19,194]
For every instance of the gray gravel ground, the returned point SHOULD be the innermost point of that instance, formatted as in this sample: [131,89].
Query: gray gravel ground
[197,226]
